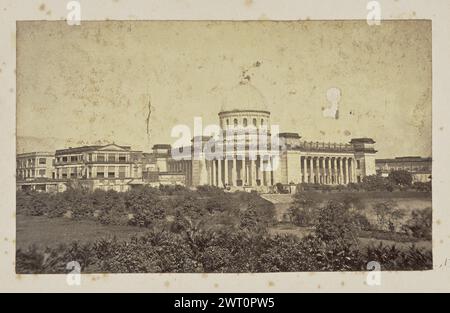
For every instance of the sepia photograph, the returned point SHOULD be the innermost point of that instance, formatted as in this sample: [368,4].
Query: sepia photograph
[224,146]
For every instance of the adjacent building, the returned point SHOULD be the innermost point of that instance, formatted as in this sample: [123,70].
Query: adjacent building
[108,167]
[34,165]
[420,168]
[104,167]
[35,171]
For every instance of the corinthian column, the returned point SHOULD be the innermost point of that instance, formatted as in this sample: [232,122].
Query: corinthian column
[354,170]
[244,171]
[234,172]
[322,170]
[347,178]
[253,165]
[213,172]
[305,180]
[226,180]
[328,171]
[334,171]
[220,184]
[261,172]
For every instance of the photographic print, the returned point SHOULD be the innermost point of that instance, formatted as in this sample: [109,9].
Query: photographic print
[224,146]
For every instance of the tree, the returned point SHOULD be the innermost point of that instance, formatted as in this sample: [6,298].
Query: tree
[377,183]
[420,224]
[401,178]
[303,210]
[335,222]
[387,215]
[146,206]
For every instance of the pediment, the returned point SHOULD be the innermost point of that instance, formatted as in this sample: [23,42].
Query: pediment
[113,147]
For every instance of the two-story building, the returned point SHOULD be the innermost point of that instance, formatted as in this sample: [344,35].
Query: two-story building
[108,167]
[35,171]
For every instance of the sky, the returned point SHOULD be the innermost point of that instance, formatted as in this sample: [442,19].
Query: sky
[131,82]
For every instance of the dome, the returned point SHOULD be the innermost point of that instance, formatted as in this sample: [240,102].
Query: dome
[244,97]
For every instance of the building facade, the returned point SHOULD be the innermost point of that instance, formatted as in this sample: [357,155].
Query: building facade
[420,168]
[104,167]
[35,171]
[109,167]
[247,154]
[35,165]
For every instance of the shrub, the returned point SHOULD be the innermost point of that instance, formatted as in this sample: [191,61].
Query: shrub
[388,216]
[214,252]
[377,183]
[420,224]
[401,178]
[335,221]
[422,187]
[280,188]
[393,259]
[303,210]
[216,259]
[145,205]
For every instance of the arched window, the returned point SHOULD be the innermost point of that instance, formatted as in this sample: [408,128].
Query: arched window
[228,122]
[262,122]
[254,122]
[245,122]
[236,122]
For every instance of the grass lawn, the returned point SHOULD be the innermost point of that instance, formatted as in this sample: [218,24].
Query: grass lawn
[365,238]
[44,231]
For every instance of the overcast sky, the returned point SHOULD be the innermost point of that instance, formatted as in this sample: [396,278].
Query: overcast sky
[92,83]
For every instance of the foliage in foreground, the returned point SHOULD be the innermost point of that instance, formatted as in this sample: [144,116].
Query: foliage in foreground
[189,246]
[241,252]
[145,207]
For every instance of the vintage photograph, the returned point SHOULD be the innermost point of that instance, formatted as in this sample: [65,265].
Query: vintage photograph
[224,146]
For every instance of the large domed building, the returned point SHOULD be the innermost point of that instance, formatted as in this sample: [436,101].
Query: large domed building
[244,106]
[288,161]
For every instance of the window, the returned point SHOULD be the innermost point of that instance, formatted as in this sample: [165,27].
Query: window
[245,122]
[73,158]
[64,159]
[111,172]
[100,158]
[122,172]
[42,161]
[255,122]
[41,173]
[228,122]
[73,173]
[262,122]
[111,158]
[101,172]
[122,158]
[235,122]
[358,164]
[90,159]
[64,173]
